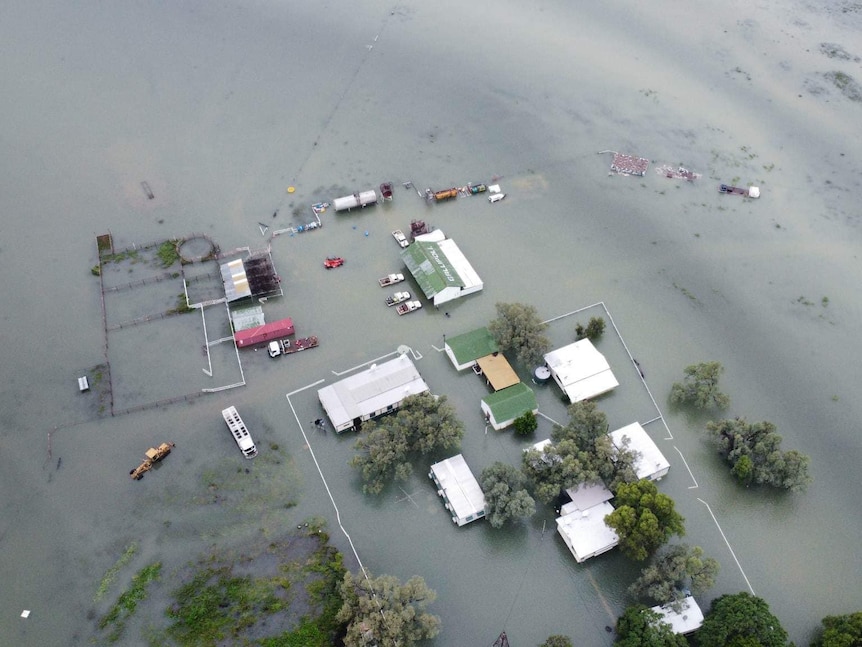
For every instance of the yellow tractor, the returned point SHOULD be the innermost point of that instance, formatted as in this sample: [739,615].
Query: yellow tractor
[153,456]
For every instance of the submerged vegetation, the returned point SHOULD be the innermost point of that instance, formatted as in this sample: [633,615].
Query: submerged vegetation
[111,573]
[127,603]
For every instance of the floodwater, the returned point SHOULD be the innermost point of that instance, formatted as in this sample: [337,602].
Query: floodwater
[220,106]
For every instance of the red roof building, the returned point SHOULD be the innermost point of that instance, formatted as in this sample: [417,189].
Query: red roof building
[265,333]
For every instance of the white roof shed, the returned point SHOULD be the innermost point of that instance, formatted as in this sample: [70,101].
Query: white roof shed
[459,488]
[586,533]
[651,463]
[689,618]
[371,393]
[581,371]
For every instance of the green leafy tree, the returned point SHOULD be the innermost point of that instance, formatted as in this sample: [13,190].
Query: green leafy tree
[382,611]
[557,641]
[841,631]
[581,452]
[505,496]
[740,620]
[700,387]
[675,569]
[423,424]
[526,424]
[594,329]
[643,627]
[753,451]
[644,519]
[519,329]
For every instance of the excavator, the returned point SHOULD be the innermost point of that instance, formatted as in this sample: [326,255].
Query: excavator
[153,456]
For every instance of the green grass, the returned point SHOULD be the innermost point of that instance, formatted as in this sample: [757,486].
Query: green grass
[127,603]
[111,573]
[168,254]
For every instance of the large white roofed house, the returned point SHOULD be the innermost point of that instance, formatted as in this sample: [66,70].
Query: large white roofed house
[651,463]
[440,268]
[581,371]
[459,488]
[371,393]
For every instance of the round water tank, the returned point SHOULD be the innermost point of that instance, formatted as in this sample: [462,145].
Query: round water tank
[542,374]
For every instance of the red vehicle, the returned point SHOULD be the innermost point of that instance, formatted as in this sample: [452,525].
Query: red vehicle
[333,261]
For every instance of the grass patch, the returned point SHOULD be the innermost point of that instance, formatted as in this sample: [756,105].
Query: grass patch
[127,603]
[168,252]
[111,573]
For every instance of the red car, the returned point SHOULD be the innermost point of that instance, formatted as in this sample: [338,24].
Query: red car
[333,261]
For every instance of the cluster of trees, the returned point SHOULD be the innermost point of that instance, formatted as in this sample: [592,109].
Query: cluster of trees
[644,519]
[700,387]
[753,451]
[675,570]
[382,611]
[580,451]
[506,496]
[519,330]
[594,329]
[423,424]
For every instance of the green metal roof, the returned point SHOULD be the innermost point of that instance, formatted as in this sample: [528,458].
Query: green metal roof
[511,402]
[430,267]
[472,345]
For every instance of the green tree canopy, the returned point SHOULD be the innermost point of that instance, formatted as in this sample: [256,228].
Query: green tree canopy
[841,631]
[423,424]
[740,620]
[674,569]
[581,451]
[557,641]
[382,611]
[644,519]
[526,424]
[643,627]
[594,329]
[505,496]
[700,387]
[753,451]
[519,329]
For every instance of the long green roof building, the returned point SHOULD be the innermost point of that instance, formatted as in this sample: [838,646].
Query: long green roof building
[440,268]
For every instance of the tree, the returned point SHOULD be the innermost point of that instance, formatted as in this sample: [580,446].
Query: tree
[595,328]
[700,387]
[423,424]
[586,424]
[526,424]
[753,451]
[518,328]
[557,641]
[505,496]
[675,569]
[740,620]
[841,631]
[644,519]
[581,451]
[643,627]
[382,611]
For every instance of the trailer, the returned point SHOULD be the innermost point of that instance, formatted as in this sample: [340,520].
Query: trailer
[361,199]
[287,347]
[445,194]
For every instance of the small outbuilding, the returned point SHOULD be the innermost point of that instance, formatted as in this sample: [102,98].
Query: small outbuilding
[371,393]
[581,371]
[651,463]
[440,268]
[503,407]
[585,532]
[463,350]
[459,489]
[685,618]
